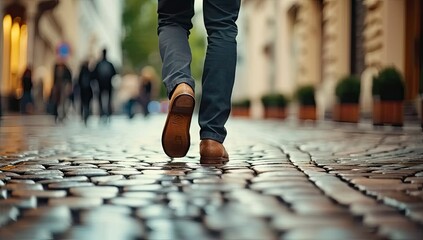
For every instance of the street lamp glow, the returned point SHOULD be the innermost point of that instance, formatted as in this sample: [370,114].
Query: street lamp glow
[15,45]
[7,23]
[23,48]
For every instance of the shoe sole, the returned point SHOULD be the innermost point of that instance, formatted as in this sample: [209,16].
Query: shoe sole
[175,137]
[213,160]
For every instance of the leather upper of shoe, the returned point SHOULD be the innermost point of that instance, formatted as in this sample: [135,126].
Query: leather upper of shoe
[212,149]
[182,88]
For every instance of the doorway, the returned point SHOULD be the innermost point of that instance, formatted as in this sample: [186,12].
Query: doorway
[413,47]
[358,13]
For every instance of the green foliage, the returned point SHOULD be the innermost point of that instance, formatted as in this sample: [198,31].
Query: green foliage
[242,103]
[375,86]
[197,42]
[140,41]
[305,95]
[388,85]
[348,90]
[274,100]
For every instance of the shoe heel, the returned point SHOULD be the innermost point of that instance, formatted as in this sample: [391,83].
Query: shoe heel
[183,104]
[176,138]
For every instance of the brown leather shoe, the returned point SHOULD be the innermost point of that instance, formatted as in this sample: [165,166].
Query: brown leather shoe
[212,152]
[175,137]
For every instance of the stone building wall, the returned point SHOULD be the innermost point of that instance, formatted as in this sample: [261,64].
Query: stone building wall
[320,44]
[336,51]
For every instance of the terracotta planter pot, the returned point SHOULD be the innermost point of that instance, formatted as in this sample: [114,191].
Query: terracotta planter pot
[336,114]
[377,112]
[240,112]
[393,112]
[307,113]
[388,112]
[275,112]
[346,112]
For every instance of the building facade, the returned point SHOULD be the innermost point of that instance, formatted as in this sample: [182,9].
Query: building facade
[291,43]
[38,33]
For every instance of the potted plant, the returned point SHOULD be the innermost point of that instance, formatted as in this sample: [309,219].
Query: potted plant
[388,96]
[347,92]
[241,108]
[307,101]
[274,105]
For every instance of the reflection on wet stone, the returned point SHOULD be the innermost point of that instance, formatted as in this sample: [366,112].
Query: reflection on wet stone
[23,186]
[104,179]
[66,185]
[94,191]
[87,172]
[143,195]
[175,229]
[38,193]
[54,219]
[8,213]
[25,203]
[129,202]
[125,172]
[112,222]
[328,233]
[65,179]
[129,182]
[76,202]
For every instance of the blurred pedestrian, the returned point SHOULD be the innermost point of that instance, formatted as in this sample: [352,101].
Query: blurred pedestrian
[27,102]
[174,25]
[39,76]
[103,73]
[62,89]
[148,78]
[130,93]
[85,90]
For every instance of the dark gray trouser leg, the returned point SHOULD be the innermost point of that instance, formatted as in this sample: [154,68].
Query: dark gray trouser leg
[219,67]
[174,26]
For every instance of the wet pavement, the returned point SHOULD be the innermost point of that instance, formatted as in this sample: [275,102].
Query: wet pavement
[284,180]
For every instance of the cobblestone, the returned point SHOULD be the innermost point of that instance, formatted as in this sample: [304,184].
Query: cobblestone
[284,181]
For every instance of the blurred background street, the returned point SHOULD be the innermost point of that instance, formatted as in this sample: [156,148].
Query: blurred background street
[283,46]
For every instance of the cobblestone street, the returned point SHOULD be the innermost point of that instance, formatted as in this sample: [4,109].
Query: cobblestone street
[283,181]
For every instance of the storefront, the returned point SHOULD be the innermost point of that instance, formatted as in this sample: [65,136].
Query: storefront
[19,36]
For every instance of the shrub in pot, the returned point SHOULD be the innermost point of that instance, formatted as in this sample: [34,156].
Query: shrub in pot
[274,105]
[347,108]
[306,98]
[241,108]
[388,97]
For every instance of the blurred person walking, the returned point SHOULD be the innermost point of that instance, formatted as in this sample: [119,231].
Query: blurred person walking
[27,101]
[62,89]
[85,91]
[38,89]
[148,78]
[103,73]
[174,24]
